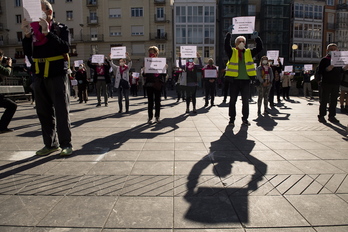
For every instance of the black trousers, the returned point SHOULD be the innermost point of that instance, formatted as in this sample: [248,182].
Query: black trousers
[191,96]
[153,95]
[236,87]
[209,91]
[10,109]
[329,94]
[52,107]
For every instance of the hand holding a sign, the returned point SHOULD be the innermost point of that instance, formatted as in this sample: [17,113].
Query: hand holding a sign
[26,28]
[44,26]
[329,68]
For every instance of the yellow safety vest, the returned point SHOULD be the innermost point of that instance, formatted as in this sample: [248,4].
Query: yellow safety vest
[47,63]
[232,65]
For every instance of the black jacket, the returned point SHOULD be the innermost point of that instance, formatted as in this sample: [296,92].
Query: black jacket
[106,71]
[58,44]
[332,77]
[254,51]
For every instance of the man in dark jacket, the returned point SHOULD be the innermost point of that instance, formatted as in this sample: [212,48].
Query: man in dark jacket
[8,104]
[47,42]
[101,79]
[330,83]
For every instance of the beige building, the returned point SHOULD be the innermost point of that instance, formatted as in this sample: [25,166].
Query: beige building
[98,25]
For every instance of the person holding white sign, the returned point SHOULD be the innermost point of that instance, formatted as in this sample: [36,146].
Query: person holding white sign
[286,79]
[191,81]
[48,43]
[330,84]
[265,77]
[277,70]
[154,83]
[82,83]
[240,71]
[210,73]
[122,83]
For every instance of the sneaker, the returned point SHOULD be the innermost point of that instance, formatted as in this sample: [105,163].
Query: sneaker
[187,111]
[46,151]
[158,120]
[98,105]
[106,104]
[333,120]
[321,119]
[246,123]
[66,151]
[6,131]
[149,121]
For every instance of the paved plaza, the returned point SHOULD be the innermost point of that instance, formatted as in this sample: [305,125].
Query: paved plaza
[191,173]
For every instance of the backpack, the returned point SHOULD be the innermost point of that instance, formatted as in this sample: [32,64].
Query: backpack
[317,74]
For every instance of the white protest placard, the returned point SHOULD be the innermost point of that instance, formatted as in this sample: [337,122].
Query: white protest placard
[135,75]
[210,73]
[281,61]
[308,67]
[73,82]
[339,58]
[243,25]
[98,59]
[288,68]
[155,65]
[77,63]
[32,10]
[188,51]
[118,52]
[183,62]
[273,55]
[27,62]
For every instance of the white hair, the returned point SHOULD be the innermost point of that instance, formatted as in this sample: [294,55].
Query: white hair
[240,37]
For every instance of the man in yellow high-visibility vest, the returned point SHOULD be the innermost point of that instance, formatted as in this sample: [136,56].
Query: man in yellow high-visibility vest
[240,70]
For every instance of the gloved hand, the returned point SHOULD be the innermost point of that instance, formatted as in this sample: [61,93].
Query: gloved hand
[26,27]
[44,26]
[255,35]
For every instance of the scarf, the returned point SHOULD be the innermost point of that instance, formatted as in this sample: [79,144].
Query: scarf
[240,53]
[265,73]
[123,68]
[38,38]
[190,66]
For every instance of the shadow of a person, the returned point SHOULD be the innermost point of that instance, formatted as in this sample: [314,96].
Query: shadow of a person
[214,204]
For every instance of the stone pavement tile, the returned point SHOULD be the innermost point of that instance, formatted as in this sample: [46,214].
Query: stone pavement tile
[204,212]
[324,209]
[187,139]
[156,155]
[250,145]
[341,164]
[146,185]
[343,196]
[329,153]
[94,155]
[275,145]
[130,146]
[64,229]
[310,145]
[14,183]
[193,168]
[237,184]
[236,167]
[210,133]
[71,168]
[266,211]
[280,167]
[16,229]
[337,145]
[266,137]
[301,229]
[98,186]
[210,230]
[221,145]
[227,156]
[26,210]
[190,155]
[332,229]
[150,146]
[116,155]
[118,168]
[197,186]
[315,166]
[50,185]
[80,211]
[153,168]
[209,139]
[264,155]
[189,146]
[141,212]
[137,230]
[295,154]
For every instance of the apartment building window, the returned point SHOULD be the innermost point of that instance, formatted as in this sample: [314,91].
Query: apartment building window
[252,10]
[209,14]
[330,2]
[160,13]
[330,37]
[115,31]
[138,49]
[114,12]
[68,0]
[161,48]
[137,30]
[69,15]
[209,34]
[19,36]
[73,50]
[298,30]
[51,1]
[180,14]
[195,34]
[195,14]
[17,2]
[227,23]
[298,10]
[94,33]
[94,49]
[71,32]
[181,34]
[18,18]
[308,11]
[19,53]
[137,12]
[318,12]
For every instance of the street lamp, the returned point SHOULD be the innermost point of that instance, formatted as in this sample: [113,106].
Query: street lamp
[294,48]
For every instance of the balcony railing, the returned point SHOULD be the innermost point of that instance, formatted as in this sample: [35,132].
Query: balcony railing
[158,36]
[160,19]
[343,6]
[92,3]
[92,21]
[160,2]
[93,38]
